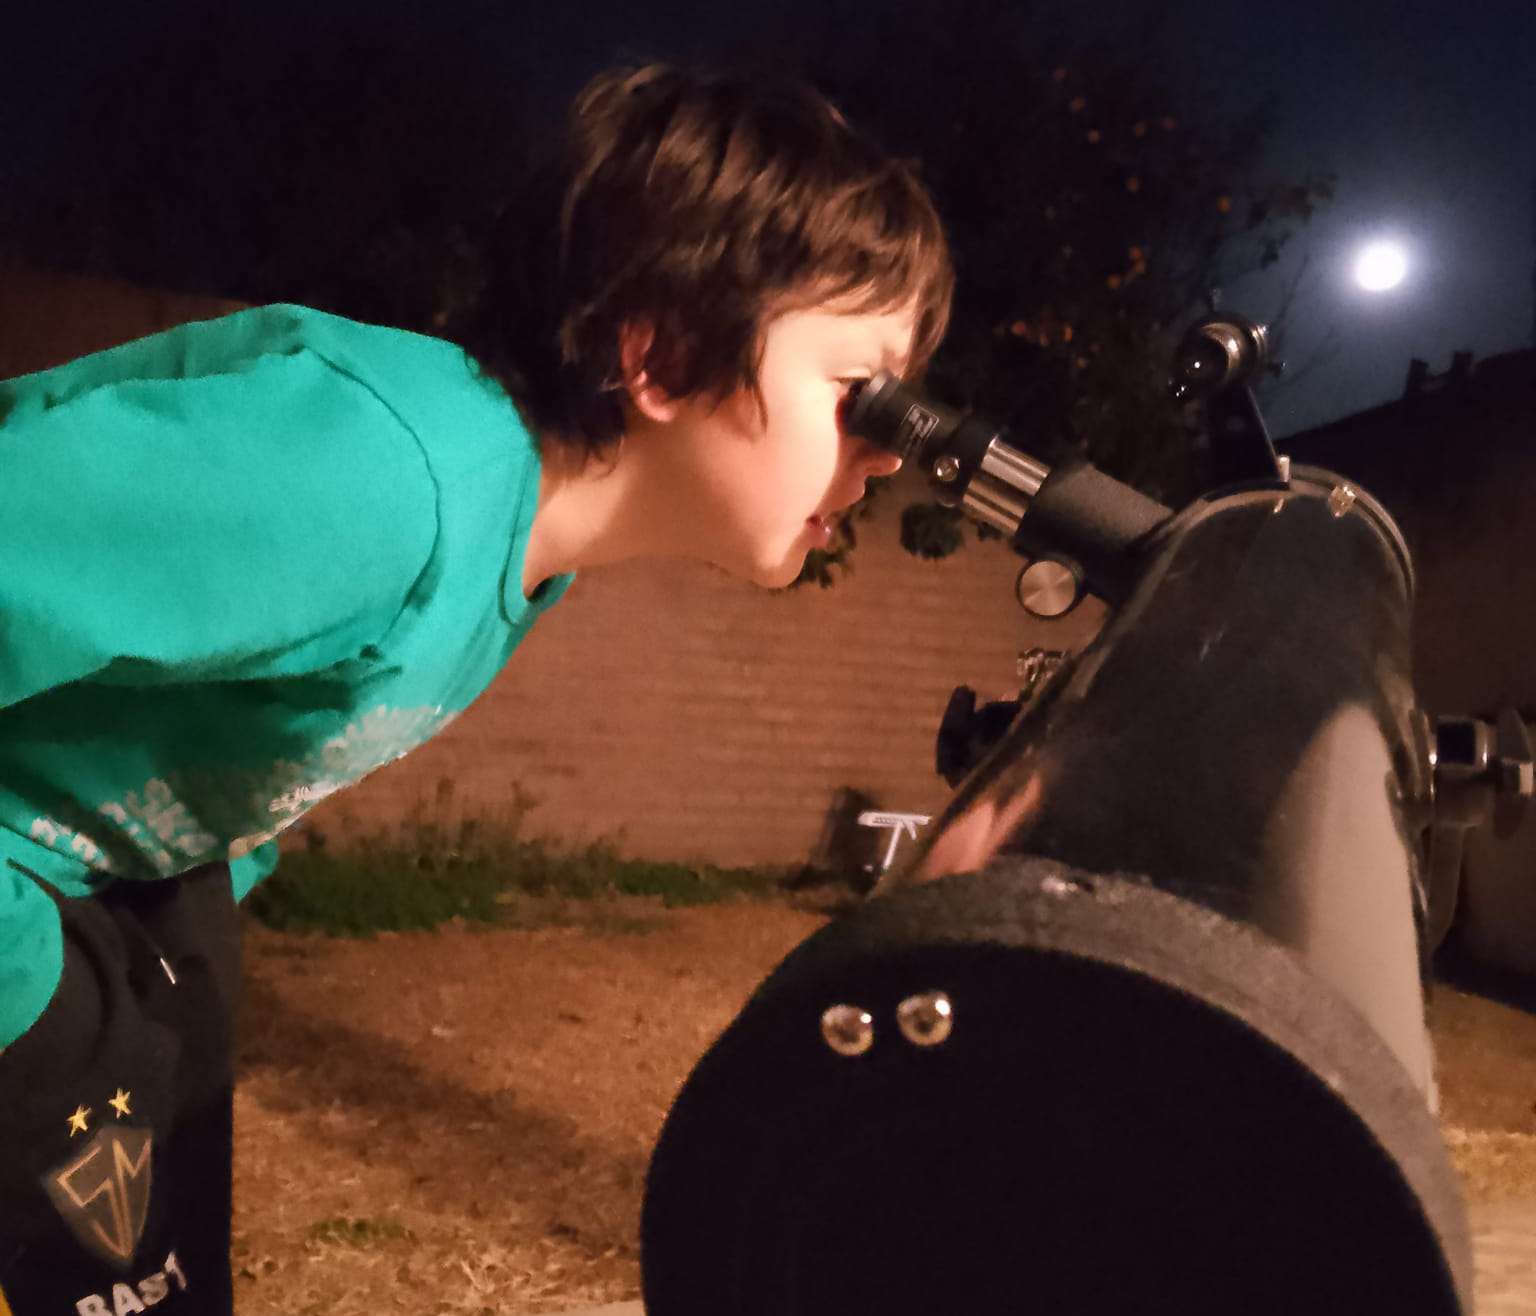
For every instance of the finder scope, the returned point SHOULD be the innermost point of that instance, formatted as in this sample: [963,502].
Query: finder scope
[1215,353]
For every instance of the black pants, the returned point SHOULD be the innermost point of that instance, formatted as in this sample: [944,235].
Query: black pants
[115,1110]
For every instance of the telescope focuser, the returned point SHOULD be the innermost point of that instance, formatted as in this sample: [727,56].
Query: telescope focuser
[1215,353]
[1088,524]
[1082,529]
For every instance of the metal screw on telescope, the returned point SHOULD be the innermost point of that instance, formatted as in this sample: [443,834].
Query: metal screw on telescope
[926,1019]
[848,1030]
[946,470]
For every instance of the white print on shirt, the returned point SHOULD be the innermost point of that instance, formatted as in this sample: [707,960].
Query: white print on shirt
[56,836]
[160,821]
[302,796]
[149,1292]
[379,737]
[166,817]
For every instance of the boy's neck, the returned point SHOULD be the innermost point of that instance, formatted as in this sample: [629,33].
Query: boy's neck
[590,514]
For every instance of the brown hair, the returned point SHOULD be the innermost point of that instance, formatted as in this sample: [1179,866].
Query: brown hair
[700,206]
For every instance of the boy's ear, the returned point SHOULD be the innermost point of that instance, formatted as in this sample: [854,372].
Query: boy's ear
[650,399]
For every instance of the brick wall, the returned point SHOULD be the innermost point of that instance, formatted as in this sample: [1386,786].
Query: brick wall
[684,715]
[46,319]
[662,705]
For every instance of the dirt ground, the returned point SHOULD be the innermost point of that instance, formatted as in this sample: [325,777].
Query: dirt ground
[459,1122]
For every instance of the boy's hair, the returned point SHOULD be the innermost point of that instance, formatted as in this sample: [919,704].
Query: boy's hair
[697,207]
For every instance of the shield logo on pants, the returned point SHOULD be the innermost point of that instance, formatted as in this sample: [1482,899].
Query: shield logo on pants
[103,1193]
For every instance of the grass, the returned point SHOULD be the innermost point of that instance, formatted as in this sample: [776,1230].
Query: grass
[426,876]
[357,1231]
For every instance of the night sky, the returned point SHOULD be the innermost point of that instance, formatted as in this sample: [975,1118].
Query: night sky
[1426,114]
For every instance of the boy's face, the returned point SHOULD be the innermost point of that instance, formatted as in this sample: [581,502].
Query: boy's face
[762,486]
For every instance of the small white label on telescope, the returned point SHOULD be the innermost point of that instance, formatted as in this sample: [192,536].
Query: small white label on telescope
[915,428]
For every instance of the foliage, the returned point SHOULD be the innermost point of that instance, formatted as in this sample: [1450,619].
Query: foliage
[823,566]
[429,875]
[930,531]
[1091,205]
[358,1231]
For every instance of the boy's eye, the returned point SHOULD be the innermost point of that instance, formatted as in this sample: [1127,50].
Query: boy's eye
[850,392]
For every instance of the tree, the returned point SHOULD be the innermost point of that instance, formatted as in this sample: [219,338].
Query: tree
[1090,205]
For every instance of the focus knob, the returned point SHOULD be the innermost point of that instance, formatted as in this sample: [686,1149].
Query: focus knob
[1049,587]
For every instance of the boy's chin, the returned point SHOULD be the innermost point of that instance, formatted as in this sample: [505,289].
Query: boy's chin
[767,570]
[785,572]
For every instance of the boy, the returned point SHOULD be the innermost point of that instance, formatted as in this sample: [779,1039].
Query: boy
[248,561]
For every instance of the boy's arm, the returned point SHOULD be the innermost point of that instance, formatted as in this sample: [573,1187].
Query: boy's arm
[31,952]
[257,523]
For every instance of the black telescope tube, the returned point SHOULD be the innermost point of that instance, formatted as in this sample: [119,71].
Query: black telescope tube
[1141,1026]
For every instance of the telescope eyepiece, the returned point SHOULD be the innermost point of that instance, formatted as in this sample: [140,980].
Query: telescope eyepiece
[891,416]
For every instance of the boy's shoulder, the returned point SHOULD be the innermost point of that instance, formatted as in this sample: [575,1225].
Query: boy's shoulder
[243,339]
[434,386]
[287,327]
[436,391]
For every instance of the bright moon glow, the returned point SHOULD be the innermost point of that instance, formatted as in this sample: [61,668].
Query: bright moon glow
[1380,266]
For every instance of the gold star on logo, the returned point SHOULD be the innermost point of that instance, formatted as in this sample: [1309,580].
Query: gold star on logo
[119,1103]
[77,1122]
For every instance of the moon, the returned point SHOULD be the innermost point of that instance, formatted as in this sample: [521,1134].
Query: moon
[1380,266]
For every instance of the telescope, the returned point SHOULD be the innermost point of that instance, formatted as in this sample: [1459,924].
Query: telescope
[1140,1026]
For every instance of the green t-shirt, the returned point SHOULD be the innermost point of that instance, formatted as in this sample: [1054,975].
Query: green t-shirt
[242,564]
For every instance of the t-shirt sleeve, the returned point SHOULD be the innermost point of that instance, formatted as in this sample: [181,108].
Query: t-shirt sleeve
[252,868]
[260,522]
[31,952]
